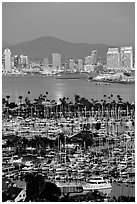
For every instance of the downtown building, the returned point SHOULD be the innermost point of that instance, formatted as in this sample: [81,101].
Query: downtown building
[88,59]
[46,69]
[113,58]
[80,65]
[71,65]
[94,57]
[7,61]
[23,61]
[56,61]
[91,59]
[16,61]
[126,57]
[45,62]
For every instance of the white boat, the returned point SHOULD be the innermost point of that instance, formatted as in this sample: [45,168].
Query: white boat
[70,187]
[45,167]
[122,164]
[27,168]
[60,169]
[96,183]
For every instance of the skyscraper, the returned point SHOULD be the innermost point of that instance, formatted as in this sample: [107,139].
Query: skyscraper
[56,61]
[7,60]
[80,65]
[88,59]
[71,65]
[126,55]
[94,57]
[113,58]
[24,61]
[45,62]
[16,61]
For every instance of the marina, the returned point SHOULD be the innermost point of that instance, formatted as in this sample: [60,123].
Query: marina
[79,150]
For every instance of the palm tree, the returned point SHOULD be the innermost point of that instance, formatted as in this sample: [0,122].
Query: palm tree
[7,104]
[20,99]
[120,103]
[3,101]
[109,105]
[102,103]
[7,97]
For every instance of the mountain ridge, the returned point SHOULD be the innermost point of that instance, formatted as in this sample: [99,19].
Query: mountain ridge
[42,47]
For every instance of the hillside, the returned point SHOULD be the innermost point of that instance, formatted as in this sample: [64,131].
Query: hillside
[45,46]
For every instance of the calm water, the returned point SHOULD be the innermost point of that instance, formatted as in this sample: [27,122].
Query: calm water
[20,85]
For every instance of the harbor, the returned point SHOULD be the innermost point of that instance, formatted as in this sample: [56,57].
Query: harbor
[80,148]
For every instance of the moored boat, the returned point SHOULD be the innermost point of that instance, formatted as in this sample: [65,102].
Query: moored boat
[96,183]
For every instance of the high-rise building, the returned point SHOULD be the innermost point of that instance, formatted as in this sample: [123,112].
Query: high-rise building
[71,65]
[126,55]
[45,62]
[16,61]
[88,59]
[80,65]
[56,61]
[3,60]
[94,57]
[7,60]
[89,68]
[113,58]
[24,61]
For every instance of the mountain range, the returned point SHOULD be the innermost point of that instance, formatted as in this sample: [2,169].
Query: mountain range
[44,47]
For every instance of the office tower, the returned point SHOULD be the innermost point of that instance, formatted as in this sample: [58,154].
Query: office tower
[88,59]
[24,61]
[16,61]
[89,68]
[80,65]
[113,58]
[3,60]
[71,65]
[45,62]
[56,61]
[7,60]
[126,55]
[94,57]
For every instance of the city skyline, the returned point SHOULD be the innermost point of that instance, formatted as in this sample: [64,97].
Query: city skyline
[106,22]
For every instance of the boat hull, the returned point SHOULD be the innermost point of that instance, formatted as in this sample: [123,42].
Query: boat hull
[96,187]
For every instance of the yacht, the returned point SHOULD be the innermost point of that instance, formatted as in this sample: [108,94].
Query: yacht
[122,165]
[96,183]
[28,166]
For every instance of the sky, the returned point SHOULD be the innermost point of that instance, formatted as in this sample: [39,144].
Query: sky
[110,23]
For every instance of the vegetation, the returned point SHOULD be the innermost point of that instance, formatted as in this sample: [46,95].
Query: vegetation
[42,107]
[39,190]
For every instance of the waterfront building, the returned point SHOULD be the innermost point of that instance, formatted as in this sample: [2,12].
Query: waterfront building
[12,62]
[71,65]
[45,62]
[16,61]
[23,60]
[3,60]
[113,58]
[80,65]
[56,61]
[88,60]
[89,68]
[94,57]
[126,55]
[7,60]
[46,70]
